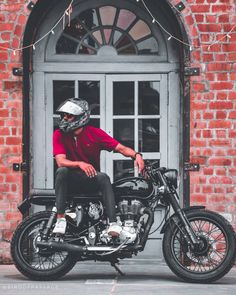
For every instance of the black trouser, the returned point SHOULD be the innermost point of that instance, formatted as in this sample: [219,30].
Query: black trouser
[69,181]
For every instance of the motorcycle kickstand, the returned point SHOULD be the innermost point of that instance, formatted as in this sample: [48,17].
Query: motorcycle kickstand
[113,264]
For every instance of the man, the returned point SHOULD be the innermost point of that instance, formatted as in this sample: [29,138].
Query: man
[77,147]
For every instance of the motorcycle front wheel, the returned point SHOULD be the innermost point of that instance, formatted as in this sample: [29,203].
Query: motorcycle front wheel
[35,263]
[214,256]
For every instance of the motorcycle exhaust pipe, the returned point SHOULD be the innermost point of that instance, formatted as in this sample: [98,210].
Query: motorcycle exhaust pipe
[61,246]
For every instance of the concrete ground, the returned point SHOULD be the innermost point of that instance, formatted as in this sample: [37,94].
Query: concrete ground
[142,277]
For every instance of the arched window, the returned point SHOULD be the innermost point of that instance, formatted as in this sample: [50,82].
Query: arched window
[120,29]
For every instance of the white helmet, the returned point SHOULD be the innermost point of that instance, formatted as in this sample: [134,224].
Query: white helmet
[76,107]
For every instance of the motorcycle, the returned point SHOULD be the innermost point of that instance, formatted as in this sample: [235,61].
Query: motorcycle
[198,245]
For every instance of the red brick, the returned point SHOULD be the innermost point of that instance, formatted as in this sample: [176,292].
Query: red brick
[3,57]
[221,95]
[5,225]
[220,162]
[221,115]
[199,87]
[231,47]
[200,8]
[219,67]
[220,171]
[219,124]
[209,27]
[198,198]
[221,85]
[232,56]
[220,180]
[224,18]
[220,57]
[232,133]
[232,115]
[207,189]
[220,105]
[220,133]
[207,133]
[13,216]
[6,27]
[208,115]
[220,142]
[13,140]
[232,95]
[208,170]
[221,8]
[208,57]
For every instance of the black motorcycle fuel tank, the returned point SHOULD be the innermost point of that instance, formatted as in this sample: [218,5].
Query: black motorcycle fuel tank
[133,187]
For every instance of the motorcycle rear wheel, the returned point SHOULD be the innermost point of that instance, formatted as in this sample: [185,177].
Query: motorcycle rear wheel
[34,263]
[209,262]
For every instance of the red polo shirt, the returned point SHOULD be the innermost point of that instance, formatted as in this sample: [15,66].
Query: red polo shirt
[85,147]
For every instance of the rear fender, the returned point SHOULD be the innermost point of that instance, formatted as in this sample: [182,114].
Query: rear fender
[186,210]
[36,200]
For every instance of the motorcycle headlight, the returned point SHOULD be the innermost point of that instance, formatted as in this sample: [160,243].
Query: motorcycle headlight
[172,177]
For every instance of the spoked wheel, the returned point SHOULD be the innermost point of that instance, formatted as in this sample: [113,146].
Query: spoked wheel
[211,259]
[38,263]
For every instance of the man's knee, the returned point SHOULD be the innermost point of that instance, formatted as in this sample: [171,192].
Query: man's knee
[62,173]
[103,177]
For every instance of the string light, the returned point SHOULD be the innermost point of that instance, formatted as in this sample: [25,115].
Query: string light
[68,12]
[179,40]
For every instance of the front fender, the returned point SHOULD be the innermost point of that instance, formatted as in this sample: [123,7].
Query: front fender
[187,209]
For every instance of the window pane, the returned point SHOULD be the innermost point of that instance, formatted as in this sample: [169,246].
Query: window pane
[148,98]
[149,139]
[107,14]
[90,91]
[124,131]
[107,34]
[122,169]
[62,90]
[89,18]
[123,93]
[65,45]
[125,19]
[140,30]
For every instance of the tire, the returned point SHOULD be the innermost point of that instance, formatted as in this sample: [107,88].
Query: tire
[51,265]
[213,260]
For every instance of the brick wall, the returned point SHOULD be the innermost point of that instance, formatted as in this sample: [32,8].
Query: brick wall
[213,108]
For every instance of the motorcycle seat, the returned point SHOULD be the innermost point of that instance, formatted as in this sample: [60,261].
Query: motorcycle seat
[47,197]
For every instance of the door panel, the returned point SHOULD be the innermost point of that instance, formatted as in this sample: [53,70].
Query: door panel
[137,117]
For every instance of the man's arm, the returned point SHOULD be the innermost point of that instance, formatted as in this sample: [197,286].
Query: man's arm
[128,152]
[62,161]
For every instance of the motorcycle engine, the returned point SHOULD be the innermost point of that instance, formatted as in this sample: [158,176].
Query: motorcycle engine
[128,217]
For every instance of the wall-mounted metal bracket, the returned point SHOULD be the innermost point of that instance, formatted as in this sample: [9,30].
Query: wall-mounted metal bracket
[20,166]
[31,5]
[17,71]
[180,6]
[191,166]
[192,71]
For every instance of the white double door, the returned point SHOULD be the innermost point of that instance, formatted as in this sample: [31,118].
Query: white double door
[133,108]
